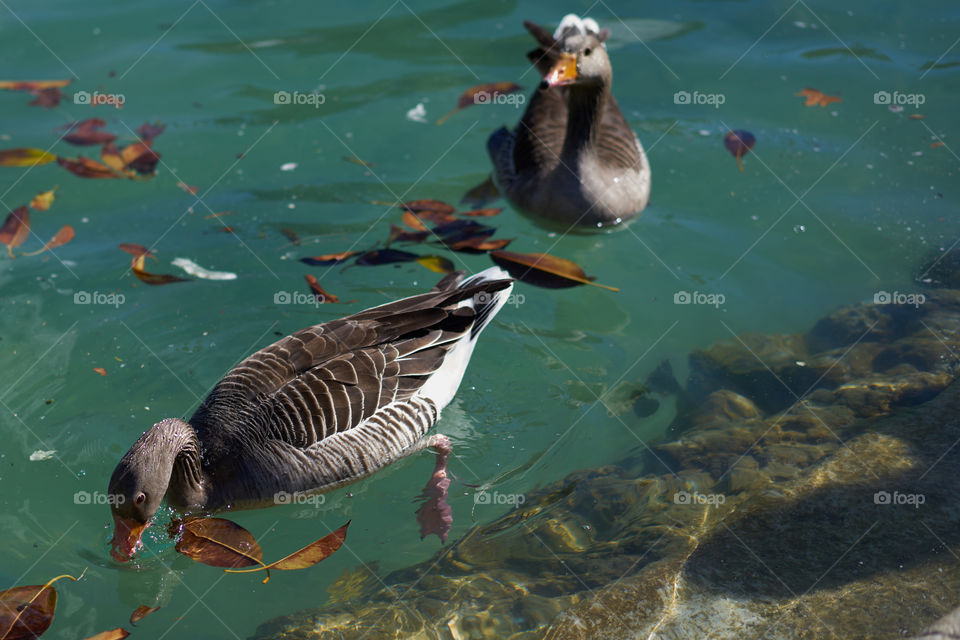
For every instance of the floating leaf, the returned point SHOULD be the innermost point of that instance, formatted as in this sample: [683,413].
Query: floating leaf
[87,168]
[136,250]
[479,245]
[25,157]
[147,132]
[87,133]
[411,220]
[307,556]
[481,213]
[420,206]
[27,612]
[43,200]
[193,269]
[62,237]
[291,235]
[938,143]
[112,157]
[319,294]
[114,634]
[543,270]
[385,256]
[399,234]
[217,542]
[356,160]
[481,94]
[815,97]
[32,85]
[15,229]
[739,142]
[140,613]
[438,264]
[329,258]
[482,194]
[152,278]
[219,215]
[189,188]
[141,158]
[101,371]
[46,98]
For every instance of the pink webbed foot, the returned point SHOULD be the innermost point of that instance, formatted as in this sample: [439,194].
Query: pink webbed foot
[435,515]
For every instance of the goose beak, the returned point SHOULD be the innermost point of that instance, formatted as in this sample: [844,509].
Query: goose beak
[562,73]
[126,538]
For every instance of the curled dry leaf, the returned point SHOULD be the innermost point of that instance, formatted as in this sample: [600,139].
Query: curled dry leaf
[87,168]
[816,97]
[147,132]
[306,557]
[399,234]
[46,98]
[136,249]
[481,195]
[113,634]
[25,157]
[479,245]
[411,220]
[422,206]
[15,229]
[87,133]
[385,256]
[43,200]
[152,278]
[140,613]
[739,142]
[27,612]
[544,270]
[217,542]
[62,237]
[481,94]
[329,258]
[318,292]
[481,213]
[101,371]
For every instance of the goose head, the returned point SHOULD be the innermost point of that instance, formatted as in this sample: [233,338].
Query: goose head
[141,480]
[582,61]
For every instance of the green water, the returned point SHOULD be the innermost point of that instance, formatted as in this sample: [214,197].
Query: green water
[876,199]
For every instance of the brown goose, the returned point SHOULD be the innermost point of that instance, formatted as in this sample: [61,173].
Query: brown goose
[572,158]
[321,408]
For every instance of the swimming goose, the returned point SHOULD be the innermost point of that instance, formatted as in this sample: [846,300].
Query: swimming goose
[321,408]
[572,158]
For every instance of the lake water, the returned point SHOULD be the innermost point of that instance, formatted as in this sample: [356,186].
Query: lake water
[835,204]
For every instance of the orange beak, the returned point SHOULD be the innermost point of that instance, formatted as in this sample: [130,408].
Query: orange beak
[564,72]
[126,538]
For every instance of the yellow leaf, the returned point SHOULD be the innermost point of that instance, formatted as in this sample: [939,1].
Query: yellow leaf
[43,200]
[25,157]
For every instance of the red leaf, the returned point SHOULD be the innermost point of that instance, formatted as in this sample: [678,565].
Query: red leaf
[318,292]
[62,237]
[87,132]
[15,229]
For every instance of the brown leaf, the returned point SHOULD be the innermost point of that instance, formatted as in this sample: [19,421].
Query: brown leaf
[411,220]
[543,270]
[422,206]
[25,157]
[152,278]
[739,142]
[43,200]
[328,258]
[481,213]
[319,294]
[101,371]
[482,194]
[147,132]
[114,634]
[307,556]
[481,94]
[192,190]
[87,133]
[87,168]
[112,158]
[32,85]
[15,229]
[62,237]
[399,234]
[816,97]
[219,543]
[27,612]
[46,98]
[140,613]
[141,158]
[136,249]
[479,245]
[291,235]
[934,145]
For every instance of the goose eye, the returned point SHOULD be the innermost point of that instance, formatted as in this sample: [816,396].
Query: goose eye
[141,498]
[587,51]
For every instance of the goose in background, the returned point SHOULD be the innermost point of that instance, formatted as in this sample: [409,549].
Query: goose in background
[572,158]
[323,407]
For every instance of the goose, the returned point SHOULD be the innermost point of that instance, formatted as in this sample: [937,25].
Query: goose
[318,409]
[572,159]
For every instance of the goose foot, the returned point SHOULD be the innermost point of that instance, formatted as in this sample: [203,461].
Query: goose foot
[435,515]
